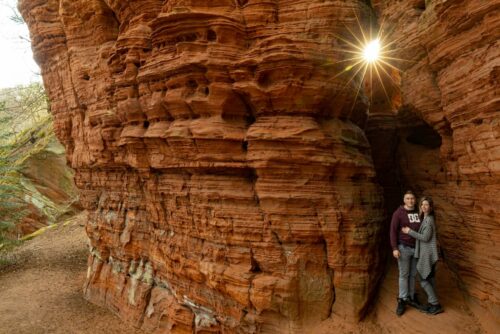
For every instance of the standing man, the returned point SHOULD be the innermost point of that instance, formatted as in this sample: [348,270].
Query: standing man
[403,249]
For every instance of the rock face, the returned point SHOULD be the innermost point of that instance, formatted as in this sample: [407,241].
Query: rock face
[224,162]
[445,136]
[50,194]
[230,185]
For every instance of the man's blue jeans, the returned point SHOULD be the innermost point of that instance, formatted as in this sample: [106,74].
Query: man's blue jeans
[407,264]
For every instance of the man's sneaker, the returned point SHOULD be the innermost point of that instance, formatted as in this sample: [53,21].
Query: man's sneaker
[413,302]
[401,307]
[434,309]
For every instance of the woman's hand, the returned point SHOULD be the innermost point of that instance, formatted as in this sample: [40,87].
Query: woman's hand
[405,230]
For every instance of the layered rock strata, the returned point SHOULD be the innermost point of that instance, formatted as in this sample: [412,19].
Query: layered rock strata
[50,194]
[229,184]
[448,128]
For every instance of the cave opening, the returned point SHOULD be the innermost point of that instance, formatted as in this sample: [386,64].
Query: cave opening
[406,154]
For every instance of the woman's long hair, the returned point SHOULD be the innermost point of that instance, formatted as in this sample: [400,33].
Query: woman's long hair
[431,206]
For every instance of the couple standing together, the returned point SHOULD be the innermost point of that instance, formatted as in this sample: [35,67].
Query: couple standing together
[413,241]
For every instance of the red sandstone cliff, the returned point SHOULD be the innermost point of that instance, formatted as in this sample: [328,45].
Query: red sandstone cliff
[227,186]
[230,182]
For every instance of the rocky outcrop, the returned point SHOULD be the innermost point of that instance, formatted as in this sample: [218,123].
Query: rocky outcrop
[223,159]
[50,194]
[448,129]
[36,187]
[230,184]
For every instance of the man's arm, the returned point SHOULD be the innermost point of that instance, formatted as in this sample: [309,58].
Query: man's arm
[426,234]
[394,230]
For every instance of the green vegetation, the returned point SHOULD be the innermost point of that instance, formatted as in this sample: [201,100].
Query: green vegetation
[36,187]
[25,134]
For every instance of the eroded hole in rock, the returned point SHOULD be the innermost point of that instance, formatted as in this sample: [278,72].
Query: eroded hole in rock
[425,136]
[192,84]
[418,154]
[237,108]
[420,5]
[250,119]
[255,267]
[211,36]
[264,79]
[242,2]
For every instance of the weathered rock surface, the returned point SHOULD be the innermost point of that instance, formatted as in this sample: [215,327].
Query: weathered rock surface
[448,127]
[230,185]
[50,193]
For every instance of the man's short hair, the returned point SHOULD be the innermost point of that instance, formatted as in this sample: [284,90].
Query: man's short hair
[409,192]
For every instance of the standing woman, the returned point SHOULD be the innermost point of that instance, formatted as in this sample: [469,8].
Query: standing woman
[427,254]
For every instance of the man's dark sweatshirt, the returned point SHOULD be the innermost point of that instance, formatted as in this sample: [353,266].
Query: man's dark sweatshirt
[402,218]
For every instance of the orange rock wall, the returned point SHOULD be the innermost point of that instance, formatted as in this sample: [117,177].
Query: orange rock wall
[451,65]
[229,184]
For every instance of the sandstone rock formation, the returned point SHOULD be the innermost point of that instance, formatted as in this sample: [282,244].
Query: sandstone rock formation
[223,160]
[230,185]
[50,194]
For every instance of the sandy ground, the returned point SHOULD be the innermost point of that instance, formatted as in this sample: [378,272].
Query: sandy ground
[456,318]
[41,292]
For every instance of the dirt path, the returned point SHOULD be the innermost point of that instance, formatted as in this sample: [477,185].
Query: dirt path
[41,292]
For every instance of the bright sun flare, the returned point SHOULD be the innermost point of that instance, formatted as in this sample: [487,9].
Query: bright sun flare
[371,51]
[368,55]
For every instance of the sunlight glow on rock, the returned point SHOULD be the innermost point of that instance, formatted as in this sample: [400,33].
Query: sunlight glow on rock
[371,51]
